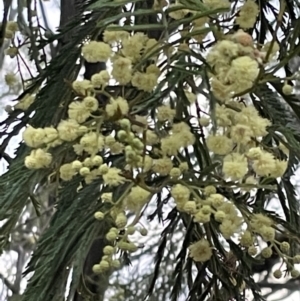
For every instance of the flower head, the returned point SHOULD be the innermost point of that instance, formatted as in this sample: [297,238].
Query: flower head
[118,106]
[220,145]
[235,166]
[163,166]
[248,14]
[100,79]
[200,251]
[137,198]
[78,111]
[113,177]
[37,159]
[68,130]
[33,137]
[95,52]
[92,142]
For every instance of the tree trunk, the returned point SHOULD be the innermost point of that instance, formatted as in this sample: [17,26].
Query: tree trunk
[98,284]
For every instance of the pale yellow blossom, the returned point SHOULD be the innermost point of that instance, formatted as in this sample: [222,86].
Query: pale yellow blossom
[201,251]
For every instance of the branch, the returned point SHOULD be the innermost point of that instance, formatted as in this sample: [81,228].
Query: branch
[289,285]
[20,265]
[7,4]
[52,48]
[32,37]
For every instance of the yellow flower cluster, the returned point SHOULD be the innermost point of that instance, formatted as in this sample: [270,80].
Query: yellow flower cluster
[202,210]
[137,198]
[114,36]
[12,51]
[94,52]
[81,133]
[201,251]
[131,50]
[265,164]
[117,107]
[178,11]
[152,147]
[118,238]
[243,131]
[37,159]
[247,14]
[180,136]
[10,79]
[86,136]
[260,224]
[214,4]
[101,79]
[235,62]
[10,30]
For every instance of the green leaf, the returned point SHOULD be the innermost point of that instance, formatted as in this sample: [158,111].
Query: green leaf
[142,27]
[100,4]
[109,20]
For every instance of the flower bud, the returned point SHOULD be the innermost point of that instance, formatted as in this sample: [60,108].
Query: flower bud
[266,252]
[82,129]
[12,52]
[175,172]
[84,171]
[121,220]
[97,269]
[246,239]
[277,274]
[206,209]
[88,162]
[220,216]
[108,250]
[252,250]
[103,169]
[285,247]
[137,143]
[97,160]
[287,89]
[114,229]
[76,164]
[104,265]
[125,124]
[122,135]
[190,207]
[208,190]
[296,259]
[204,121]
[130,230]
[111,236]
[99,215]
[115,263]
[143,231]
[132,247]
[295,273]
[267,233]
[8,109]
[123,245]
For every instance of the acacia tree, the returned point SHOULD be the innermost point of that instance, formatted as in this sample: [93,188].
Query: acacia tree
[181,119]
